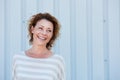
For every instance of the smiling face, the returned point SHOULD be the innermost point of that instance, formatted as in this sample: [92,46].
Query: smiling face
[42,32]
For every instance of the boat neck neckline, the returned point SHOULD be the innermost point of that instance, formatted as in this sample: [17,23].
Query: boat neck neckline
[39,57]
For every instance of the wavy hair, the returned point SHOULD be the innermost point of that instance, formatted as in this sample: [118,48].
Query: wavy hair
[56,27]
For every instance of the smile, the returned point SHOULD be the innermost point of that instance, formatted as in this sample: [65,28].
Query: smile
[42,38]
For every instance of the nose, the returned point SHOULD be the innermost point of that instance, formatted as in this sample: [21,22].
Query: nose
[44,32]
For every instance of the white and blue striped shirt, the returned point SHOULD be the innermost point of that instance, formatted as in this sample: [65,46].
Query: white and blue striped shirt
[28,68]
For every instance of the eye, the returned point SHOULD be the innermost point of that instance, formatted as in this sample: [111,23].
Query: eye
[40,28]
[49,30]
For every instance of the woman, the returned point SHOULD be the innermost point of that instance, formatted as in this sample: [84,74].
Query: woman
[39,62]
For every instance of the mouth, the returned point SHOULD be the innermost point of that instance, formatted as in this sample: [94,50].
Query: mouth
[42,38]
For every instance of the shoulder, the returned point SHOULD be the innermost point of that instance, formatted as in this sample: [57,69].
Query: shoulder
[19,54]
[59,58]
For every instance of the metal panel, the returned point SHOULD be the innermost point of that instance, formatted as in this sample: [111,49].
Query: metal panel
[2,33]
[81,40]
[89,40]
[97,40]
[114,49]
[106,39]
[65,41]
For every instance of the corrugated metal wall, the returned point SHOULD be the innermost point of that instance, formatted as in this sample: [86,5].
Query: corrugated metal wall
[89,41]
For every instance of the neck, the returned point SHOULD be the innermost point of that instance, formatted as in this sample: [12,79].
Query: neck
[38,49]
[38,52]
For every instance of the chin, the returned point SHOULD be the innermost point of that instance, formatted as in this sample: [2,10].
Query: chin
[41,44]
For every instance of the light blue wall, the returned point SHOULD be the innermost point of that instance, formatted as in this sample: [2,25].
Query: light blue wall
[89,40]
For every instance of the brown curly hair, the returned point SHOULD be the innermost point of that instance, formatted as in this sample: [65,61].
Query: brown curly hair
[56,27]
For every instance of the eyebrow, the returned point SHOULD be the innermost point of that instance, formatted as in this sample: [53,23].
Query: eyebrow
[47,28]
[42,25]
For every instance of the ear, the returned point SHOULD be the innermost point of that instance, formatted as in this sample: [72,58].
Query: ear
[32,29]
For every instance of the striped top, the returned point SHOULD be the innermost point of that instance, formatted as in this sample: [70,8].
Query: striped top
[28,68]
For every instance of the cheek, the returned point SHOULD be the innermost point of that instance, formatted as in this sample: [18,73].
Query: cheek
[51,35]
[36,32]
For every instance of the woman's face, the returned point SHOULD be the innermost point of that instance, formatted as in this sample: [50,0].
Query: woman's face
[42,32]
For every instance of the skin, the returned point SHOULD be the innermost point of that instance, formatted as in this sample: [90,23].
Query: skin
[42,33]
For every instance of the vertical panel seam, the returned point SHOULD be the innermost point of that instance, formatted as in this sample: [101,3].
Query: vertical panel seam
[106,39]
[56,13]
[5,20]
[23,23]
[4,36]
[89,39]
[119,23]
[73,38]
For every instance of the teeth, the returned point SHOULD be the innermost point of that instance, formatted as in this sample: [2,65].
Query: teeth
[42,38]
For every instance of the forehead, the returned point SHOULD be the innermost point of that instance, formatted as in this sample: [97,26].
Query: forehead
[44,23]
